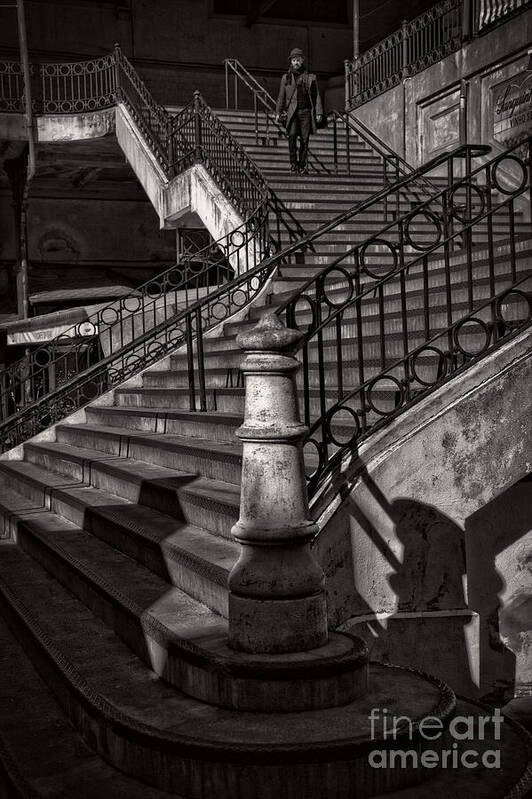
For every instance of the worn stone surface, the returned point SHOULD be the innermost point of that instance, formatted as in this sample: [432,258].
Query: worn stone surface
[438,521]
[426,103]
[276,601]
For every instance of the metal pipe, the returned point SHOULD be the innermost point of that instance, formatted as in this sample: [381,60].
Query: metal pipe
[356,29]
[22,282]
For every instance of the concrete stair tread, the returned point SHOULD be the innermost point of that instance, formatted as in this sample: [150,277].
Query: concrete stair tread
[46,754]
[169,441]
[108,679]
[213,416]
[143,594]
[136,473]
[174,538]
[104,667]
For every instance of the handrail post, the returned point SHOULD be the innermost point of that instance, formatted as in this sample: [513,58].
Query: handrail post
[117,70]
[197,126]
[170,151]
[404,43]
[347,144]
[335,143]
[226,64]
[277,599]
[346,85]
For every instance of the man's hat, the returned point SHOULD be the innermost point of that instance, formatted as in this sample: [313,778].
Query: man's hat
[296,52]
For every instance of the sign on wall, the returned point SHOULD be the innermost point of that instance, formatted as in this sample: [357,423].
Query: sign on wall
[512,108]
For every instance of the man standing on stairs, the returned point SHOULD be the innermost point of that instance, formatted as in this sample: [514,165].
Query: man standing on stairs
[300,99]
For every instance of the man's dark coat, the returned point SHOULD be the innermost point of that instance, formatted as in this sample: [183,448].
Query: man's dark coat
[287,99]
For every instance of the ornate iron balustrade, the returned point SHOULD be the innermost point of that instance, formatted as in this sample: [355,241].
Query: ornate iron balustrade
[395,317]
[151,118]
[28,387]
[11,87]
[193,135]
[421,42]
[124,336]
[78,87]
[487,14]
[416,45]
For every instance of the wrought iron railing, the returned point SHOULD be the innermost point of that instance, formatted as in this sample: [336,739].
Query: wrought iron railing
[125,336]
[399,314]
[78,87]
[487,14]
[11,87]
[451,224]
[416,45]
[195,135]
[423,41]
[347,132]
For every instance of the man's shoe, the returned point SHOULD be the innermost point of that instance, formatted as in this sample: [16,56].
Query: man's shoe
[303,170]
[293,168]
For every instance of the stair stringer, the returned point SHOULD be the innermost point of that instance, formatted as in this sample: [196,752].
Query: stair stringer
[192,191]
[395,535]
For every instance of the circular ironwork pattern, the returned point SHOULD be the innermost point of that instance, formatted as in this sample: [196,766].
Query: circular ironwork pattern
[496,179]
[303,303]
[311,442]
[459,209]
[441,369]
[131,304]
[522,297]
[482,326]
[412,236]
[331,294]
[374,388]
[363,255]
[109,316]
[330,418]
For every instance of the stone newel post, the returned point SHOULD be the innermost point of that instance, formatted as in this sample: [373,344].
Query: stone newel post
[277,600]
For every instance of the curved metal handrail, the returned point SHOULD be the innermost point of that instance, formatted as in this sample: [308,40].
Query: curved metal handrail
[115,317]
[384,266]
[185,326]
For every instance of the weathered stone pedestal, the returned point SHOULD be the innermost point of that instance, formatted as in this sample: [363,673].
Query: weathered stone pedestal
[277,599]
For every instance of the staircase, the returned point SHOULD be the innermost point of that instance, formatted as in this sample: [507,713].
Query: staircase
[119,576]
[114,600]
[330,189]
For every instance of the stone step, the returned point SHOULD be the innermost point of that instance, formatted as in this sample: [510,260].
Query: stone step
[209,504]
[216,460]
[47,757]
[214,426]
[149,730]
[153,732]
[159,622]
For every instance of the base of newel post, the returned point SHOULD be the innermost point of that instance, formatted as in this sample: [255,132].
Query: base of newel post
[277,600]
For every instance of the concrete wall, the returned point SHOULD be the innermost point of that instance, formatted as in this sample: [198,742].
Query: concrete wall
[421,117]
[428,557]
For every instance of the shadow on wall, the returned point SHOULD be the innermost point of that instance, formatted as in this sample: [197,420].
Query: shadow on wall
[423,561]
[499,557]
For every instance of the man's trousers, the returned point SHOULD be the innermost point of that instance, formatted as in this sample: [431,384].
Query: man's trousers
[299,127]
